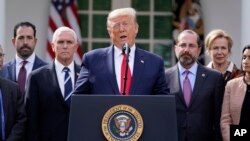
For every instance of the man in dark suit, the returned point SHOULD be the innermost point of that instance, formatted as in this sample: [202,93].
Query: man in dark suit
[101,68]
[12,111]
[24,40]
[47,96]
[198,92]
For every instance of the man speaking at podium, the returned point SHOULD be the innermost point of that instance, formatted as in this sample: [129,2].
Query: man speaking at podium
[122,68]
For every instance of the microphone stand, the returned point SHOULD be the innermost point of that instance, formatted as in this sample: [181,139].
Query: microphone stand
[126,46]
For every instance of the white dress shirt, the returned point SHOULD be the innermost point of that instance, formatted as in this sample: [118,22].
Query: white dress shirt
[60,74]
[118,57]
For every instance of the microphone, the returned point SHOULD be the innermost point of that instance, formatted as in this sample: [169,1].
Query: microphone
[125,47]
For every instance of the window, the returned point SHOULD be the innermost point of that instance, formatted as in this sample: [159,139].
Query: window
[155,25]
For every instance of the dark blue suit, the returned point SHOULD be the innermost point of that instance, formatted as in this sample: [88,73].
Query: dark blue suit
[15,115]
[200,121]
[9,69]
[97,75]
[47,112]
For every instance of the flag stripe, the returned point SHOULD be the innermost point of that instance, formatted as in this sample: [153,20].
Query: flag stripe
[63,13]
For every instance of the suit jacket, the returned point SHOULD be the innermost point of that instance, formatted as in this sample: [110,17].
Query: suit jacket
[97,75]
[15,115]
[47,112]
[9,69]
[197,122]
[234,95]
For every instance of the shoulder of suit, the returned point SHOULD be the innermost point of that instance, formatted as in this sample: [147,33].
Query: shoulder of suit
[236,80]
[10,63]
[42,69]
[98,51]
[208,70]
[40,61]
[5,81]
[171,70]
[148,54]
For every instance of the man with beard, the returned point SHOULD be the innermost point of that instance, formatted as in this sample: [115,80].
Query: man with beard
[198,92]
[24,40]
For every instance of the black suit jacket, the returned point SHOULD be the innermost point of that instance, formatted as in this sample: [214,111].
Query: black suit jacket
[200,121]
[97,75]
[15,115]
[47,112]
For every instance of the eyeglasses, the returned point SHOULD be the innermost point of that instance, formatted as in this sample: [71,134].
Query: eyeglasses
[2,54]
[118,25]
[184,45]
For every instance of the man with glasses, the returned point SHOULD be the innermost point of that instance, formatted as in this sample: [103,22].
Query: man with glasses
[198,90]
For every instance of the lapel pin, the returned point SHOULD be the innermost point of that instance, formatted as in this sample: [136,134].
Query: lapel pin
[142,61]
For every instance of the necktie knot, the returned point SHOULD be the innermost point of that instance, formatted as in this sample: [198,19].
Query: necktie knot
[24,62]
[186,73]
[66,70]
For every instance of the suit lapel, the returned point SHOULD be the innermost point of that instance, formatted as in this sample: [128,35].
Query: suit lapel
[109,57]
[55,83]
[176,85]
[77,70]
[139,65]
[5,90]
[12,70]
[200,79]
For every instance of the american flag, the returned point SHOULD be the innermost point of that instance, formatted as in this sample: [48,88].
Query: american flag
[63,13]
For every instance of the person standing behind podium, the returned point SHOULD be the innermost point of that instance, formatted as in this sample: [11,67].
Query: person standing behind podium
[24,40]
[101,68]
[49,90]
[197,90]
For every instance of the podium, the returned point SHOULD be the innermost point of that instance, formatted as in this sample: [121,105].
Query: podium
[115,117]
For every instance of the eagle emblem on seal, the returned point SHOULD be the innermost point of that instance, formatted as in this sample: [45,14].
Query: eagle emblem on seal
[123,125]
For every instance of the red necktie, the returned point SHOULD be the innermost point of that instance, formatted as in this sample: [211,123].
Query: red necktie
[187,90]
[21,80]
[123,77]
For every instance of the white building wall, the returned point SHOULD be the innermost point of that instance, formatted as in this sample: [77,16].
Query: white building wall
[245,23]
[224,14]
[34,11]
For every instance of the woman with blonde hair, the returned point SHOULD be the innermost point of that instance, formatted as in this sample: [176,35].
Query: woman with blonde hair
[218,45]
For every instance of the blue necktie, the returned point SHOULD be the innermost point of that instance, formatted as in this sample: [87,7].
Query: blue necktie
[68,88]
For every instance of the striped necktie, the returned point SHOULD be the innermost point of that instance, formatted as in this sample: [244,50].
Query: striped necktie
[68,88]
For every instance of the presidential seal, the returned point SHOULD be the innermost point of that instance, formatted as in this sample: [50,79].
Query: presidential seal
[122,123]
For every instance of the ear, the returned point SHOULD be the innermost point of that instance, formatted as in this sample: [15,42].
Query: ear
[13,40]
[53,46]
[136,28]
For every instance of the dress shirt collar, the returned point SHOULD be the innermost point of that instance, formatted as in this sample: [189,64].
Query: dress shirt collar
[59,67]
[118,51]
[192,70]
[30,59]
